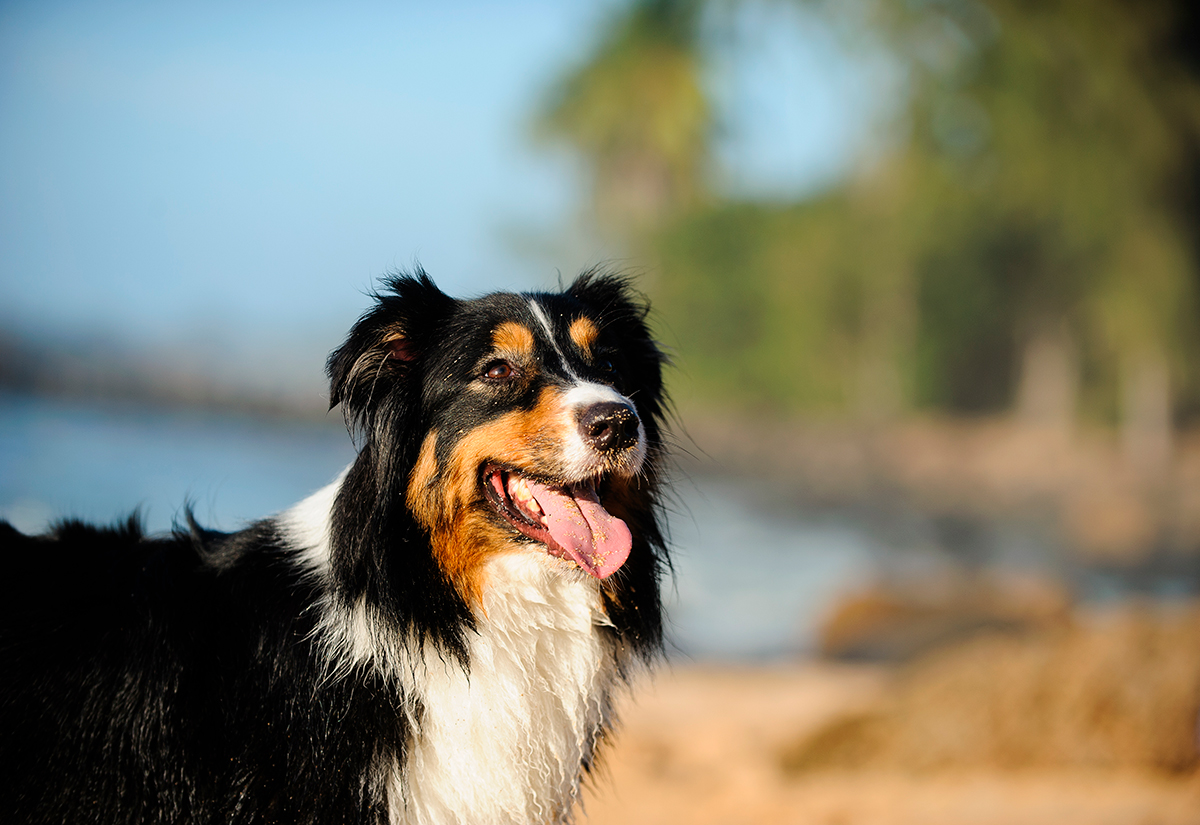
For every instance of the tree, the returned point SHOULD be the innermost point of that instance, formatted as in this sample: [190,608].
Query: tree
[636,109]
[1027,243]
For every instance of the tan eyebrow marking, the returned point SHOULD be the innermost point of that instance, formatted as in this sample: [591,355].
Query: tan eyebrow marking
[513,337]
[584,333]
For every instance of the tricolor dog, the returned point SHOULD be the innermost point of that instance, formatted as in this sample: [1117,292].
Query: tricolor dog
[436,637]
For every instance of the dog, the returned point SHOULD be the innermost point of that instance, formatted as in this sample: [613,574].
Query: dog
[437,636]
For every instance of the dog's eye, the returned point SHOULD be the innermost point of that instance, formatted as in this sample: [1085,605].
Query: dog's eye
[499,371]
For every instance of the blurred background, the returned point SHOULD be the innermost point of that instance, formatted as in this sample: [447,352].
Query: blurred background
[928,271]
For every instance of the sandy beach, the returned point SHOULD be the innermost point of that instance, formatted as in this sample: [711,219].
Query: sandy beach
[704,745]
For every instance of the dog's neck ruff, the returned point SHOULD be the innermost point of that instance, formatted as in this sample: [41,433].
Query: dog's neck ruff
[504,740]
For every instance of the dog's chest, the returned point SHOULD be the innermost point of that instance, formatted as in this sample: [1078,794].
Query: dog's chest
[505,743]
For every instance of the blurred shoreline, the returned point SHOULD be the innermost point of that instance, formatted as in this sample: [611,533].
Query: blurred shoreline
[101,372]
[1084,499]
[1087,506]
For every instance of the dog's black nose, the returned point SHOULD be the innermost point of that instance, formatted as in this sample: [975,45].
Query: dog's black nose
[609,426]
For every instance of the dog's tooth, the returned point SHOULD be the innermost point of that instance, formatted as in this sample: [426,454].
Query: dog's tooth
[518,488]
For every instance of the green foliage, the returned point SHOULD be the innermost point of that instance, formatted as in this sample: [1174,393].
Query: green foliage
[755,299]
[636,109]
[1056,137]
[1043,176]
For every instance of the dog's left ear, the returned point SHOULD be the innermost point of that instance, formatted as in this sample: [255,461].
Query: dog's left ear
[388,344]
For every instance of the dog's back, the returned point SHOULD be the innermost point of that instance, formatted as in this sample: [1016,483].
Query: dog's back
[174,680]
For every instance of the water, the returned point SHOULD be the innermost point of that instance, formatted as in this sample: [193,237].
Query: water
[98,463]
[751,579]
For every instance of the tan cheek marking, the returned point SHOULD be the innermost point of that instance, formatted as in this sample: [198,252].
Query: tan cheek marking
[584,333]
[463,548]
[506,439]
[462,535]
[527,440]
[513,337]
[423,499]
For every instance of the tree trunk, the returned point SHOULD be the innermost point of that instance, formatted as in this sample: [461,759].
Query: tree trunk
[1049,382]
[1146,435]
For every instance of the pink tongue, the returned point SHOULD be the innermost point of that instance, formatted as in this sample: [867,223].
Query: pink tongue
[594,538]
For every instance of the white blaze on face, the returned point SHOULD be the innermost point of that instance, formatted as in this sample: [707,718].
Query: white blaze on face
[542,319]
[581,461]
[578,456]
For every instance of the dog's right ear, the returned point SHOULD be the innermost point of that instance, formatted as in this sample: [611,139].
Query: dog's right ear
[387,344]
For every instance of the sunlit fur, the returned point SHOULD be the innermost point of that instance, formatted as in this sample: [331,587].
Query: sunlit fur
[389,650]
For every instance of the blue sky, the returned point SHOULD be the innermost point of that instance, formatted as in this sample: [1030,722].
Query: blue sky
[226,180]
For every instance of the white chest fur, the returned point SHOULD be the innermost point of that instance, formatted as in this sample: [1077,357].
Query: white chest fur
[504,742]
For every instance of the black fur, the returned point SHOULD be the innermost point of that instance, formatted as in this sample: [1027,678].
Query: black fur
[180,679]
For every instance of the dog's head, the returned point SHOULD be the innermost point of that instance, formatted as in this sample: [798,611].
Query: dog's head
[512,423]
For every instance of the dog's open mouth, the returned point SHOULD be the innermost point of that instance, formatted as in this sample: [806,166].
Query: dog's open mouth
[568,519]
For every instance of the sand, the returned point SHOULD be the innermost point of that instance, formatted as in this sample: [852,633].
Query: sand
[704,745]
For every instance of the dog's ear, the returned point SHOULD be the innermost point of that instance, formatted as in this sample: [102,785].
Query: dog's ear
[607,292]
[619,307]
[388,343]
